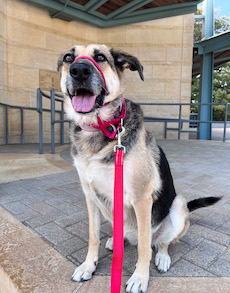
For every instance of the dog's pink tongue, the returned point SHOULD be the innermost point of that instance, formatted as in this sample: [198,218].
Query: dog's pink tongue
[83,102]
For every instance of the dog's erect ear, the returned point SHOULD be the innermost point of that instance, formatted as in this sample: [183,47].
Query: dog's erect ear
[59,63]
[123,60]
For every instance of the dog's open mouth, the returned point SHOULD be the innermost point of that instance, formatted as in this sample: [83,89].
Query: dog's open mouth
[84,101]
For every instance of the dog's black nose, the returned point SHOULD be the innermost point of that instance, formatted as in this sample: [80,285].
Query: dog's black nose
[80,71]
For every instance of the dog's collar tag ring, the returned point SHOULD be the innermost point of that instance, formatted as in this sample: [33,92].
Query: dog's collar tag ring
[120,132]
[96,64]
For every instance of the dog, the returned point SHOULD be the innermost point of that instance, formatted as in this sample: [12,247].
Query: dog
[154,215]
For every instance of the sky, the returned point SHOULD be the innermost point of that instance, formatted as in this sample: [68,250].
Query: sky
[224,6]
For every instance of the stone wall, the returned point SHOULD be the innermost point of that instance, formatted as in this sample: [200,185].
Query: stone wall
[3,67]
[35,41]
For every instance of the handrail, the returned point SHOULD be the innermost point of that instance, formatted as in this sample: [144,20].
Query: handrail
[22,108]
[56,97]
[181,121]
[53,99]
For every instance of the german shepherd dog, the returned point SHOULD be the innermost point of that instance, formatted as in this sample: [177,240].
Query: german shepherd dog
[154,215]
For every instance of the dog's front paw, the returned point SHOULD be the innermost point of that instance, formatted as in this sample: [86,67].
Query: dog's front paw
[162,261]
[109,244]
[137,283]
[84,272]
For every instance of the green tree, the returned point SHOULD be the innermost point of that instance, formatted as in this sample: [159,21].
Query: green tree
[221,75]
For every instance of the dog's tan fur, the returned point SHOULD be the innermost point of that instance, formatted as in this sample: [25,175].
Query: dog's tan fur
[142,178]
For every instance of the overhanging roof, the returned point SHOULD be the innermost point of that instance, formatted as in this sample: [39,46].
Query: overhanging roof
[219,45]
[108,13]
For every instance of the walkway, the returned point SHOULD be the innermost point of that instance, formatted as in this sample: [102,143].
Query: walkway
[43,192]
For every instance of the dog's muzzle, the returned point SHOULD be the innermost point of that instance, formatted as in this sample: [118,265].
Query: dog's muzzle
[83,100]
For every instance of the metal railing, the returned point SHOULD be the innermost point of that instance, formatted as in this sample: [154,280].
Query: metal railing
[180,121]
[53,97]
[22,108]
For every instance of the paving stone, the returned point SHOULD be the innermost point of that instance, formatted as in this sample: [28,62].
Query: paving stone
[6,198]
[79,202]
[177,250]
[53,233]
[79,229]
[43,208]
[191,239]
[70,185]
[130,258]
[213,220]
[184,268]
[104,267]
[55,191]
[70,246]
[29,214]
[210,234]
[73,219]
[225,228]
[80,254]
[63,206]
[73,260]
[12,189]
[220,267]
[204,253]
[43,219]
[107,228]
[16,208]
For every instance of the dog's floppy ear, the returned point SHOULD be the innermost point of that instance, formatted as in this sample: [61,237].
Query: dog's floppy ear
[123,60]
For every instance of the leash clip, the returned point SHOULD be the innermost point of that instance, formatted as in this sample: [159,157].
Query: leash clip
[119,134]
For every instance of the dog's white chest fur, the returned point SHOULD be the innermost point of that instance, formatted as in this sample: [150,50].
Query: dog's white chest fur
[98,180]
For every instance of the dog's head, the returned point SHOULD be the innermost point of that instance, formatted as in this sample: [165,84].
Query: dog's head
[87,86]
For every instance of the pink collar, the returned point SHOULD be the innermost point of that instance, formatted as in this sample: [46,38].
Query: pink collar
[103,125]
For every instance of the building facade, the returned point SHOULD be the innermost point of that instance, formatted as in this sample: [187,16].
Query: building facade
[31,42]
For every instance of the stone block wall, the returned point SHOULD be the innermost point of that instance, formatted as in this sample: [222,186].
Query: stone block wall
[3,66]
[35,41]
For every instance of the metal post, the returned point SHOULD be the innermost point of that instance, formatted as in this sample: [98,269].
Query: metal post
[225,121]
[22,127]
[52,105]
[69,131]
[62,124]
[7,126]
[166,129]
[207,75]
[39,109]
[179,130]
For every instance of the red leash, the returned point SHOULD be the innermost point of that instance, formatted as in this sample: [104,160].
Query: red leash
[118,235]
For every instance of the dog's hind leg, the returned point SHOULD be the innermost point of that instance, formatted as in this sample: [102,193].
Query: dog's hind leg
[85,270]
[109,244]
[162,258]
[173,227]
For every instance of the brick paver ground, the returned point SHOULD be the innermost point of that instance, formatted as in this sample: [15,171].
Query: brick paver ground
[54,207]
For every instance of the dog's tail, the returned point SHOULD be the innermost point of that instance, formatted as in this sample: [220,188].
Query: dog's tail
[202,202]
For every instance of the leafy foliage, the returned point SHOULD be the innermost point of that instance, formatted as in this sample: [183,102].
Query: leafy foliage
[221,75]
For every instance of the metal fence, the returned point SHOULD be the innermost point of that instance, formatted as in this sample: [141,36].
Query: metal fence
[54,97]
[180,120]
[22,119]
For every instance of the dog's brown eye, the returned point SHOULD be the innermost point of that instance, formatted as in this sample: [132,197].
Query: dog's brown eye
[100,58]
[68,58]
